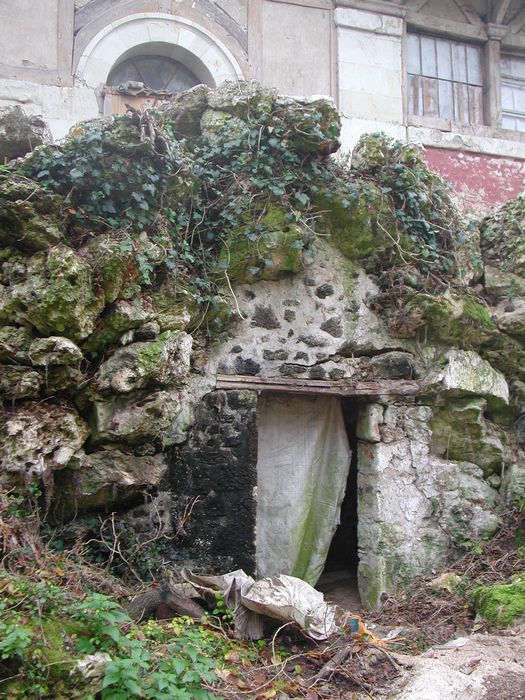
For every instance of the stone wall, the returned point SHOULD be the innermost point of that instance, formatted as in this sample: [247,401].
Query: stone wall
[213,479]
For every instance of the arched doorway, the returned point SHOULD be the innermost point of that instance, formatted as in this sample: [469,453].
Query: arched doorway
[143,58]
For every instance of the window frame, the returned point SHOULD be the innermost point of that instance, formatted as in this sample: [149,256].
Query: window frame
[508,80]
[439,120]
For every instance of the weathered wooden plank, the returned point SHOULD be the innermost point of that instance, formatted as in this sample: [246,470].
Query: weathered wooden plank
[475,104]
[446,99]
[461,113]
[342,387]
[430,97]
[415,95]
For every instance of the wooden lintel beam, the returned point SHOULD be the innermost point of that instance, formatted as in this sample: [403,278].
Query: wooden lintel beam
[342,387]
[499,10]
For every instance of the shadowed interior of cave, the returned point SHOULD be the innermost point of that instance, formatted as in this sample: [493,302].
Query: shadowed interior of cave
[339,579]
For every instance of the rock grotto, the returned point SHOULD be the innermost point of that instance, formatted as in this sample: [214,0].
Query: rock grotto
[255,353]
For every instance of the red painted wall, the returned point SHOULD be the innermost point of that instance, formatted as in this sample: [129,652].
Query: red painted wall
[481,182]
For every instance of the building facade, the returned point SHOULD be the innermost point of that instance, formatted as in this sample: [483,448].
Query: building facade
[447,73]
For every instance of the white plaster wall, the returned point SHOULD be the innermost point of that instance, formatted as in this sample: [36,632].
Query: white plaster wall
[61,107]
[296,49]
[370,72]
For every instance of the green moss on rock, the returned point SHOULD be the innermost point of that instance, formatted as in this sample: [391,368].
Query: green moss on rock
[58,295]
[460,433]
[112,267]
[457,320]
[361,223]
[30,217]
[272,254]
[502,237]
[14,344]
[502,604]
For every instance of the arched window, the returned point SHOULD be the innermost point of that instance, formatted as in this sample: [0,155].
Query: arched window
[160,74]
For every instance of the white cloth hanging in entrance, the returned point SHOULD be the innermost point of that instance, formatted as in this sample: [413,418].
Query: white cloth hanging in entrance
[302,469]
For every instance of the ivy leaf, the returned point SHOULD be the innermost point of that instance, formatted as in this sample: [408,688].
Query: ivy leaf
[302,198]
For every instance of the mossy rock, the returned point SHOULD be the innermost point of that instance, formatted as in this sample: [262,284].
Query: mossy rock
[460,433]
[314,125]
[506,354]
[19,382]
[120,317]
[502,237]
[161,362]
[213,122]
[14,344]
[57,297]
[111,265]
[502,604]
[104,478]
[173,307]
[361,223]
[457,320]
[31,218]
[244,99]
[182,114]
[272,253]
[373,151]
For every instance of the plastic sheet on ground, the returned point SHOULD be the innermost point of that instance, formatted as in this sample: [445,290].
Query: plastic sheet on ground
[284,598]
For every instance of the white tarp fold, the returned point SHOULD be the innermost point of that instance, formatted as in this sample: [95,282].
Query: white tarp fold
[302,469]
[283,598]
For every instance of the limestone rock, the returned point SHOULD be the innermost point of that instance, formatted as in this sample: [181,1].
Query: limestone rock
[37,438]
[20,133]
[394,365]
[460,432]
[273,254]
[213,121]
[105,478]
[466,502]
[57,297]
[184,111]
[19,382]
[120,317]
[243,99]
[31,217]
[143,416]
[510,317]
[466,373]
[453,319]
[314,124]
[503,239]
[173,306]
[14,344]
[513,482]
[160,362]
[501,284]
[54,350]
[110,263]
[362,226]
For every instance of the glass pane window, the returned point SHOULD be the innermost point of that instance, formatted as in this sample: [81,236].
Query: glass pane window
[513,92]
[444,79]
[158,73]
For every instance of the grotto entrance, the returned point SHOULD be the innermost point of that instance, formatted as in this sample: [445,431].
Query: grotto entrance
[306,478]
[339,578]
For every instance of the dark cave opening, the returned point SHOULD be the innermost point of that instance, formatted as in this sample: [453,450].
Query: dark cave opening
[339,578]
